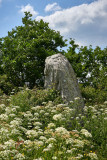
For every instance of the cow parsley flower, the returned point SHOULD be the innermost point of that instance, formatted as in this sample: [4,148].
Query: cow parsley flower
[51,125]
[4,117]
[10,143]
[85,133]
[69,141]
[15,123]
[93,156]
[61,131]
[57,117]
[78,143]
[32,133]
[51,140]
[19,156]
[37,124]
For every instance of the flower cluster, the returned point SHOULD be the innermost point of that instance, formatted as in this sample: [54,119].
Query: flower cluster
[47,131]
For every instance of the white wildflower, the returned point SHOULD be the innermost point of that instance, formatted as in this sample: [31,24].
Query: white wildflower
[53,111]
[2,106]
[50,104]
[43,138]
[87,122]
[4,132]
[37,108]
[12,115]
[37,124]
[19,156]
[69,151]
[37,127]
[69,141]
[17,107]
[46,114]
[4,117]
[93,156]
[51,125]
[86,133]
[32,133]
[82,117]
[15,123]
[78,143]
[38,143]
[8,110]
[54,158]
[61,131]
[85,108]
[71,102]
[49,147]
[51,140]
[105,118]
[77,118]
[5,154]
[79,156]
[38,159]
[57,117]
[105,102]
[44,103]
[93,109]
[10,143]
[36,114]
[75,131]
[94,116]
[15,131]
[40,132]
[42,111]
[28,115]
[13,110]
[28,142]
[77,98]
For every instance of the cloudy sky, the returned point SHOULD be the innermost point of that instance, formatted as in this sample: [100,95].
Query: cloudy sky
[83,20]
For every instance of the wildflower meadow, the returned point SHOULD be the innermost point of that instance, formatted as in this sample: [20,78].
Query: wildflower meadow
[32,127]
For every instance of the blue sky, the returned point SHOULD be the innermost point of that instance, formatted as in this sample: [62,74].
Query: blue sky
[83,20]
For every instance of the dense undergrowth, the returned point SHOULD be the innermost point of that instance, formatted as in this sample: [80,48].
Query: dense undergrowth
[37,125]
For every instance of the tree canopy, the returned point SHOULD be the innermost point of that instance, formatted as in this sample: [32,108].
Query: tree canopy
[25,49]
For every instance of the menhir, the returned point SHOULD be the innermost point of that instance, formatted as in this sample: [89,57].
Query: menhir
[60,75]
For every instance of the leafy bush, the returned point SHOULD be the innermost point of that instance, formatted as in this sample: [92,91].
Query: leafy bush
[93,96]
[26,97]
[5,86]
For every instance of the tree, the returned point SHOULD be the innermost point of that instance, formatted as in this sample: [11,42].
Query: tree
[87,63]
[90,68]
[25,49]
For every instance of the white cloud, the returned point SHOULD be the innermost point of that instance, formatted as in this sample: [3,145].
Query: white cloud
[52,7]
[86,23]
[28,8]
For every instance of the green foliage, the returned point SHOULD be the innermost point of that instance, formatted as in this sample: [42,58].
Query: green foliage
[1,92]
[5,85]
[25,49]
[90,68]
[27,98]
[87,63]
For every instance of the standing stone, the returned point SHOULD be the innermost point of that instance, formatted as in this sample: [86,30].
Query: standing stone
[60,75]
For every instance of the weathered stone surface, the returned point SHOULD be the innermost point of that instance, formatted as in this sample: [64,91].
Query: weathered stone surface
[59,73]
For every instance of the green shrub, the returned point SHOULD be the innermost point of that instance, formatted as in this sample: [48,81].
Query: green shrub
[93,96]
[26,97]
[5,85]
